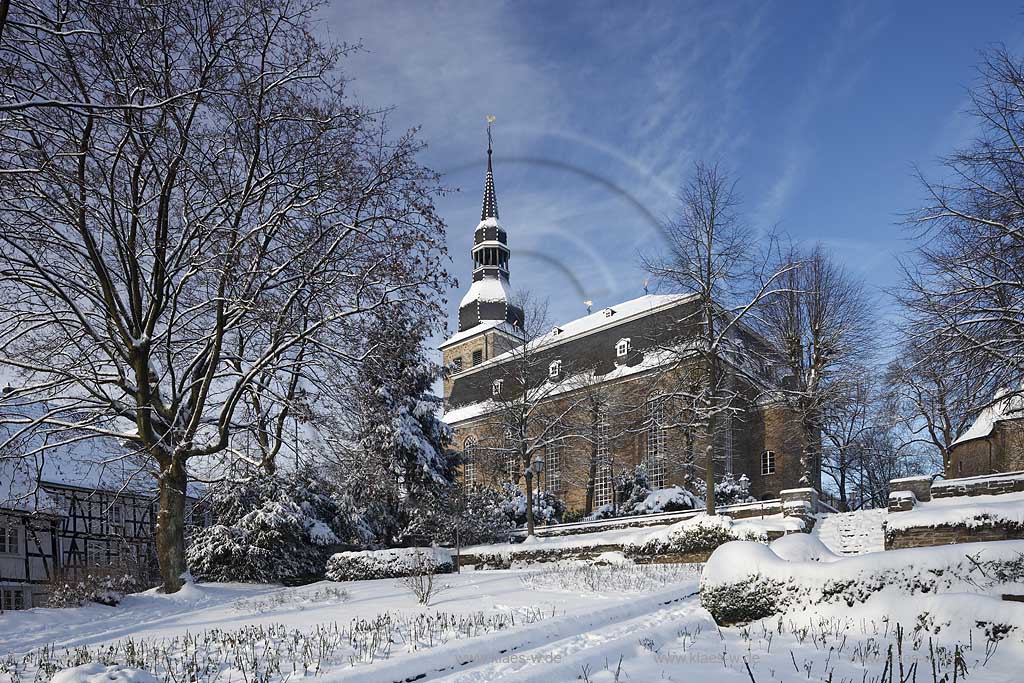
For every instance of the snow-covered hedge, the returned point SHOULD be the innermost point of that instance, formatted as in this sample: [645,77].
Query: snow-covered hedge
[745,581]
[388,564]
[697,535]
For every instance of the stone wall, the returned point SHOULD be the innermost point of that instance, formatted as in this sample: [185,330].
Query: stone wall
[908,493]
[993,485]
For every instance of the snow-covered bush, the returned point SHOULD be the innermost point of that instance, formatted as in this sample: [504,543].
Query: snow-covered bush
[671,499]
[636,497]
[392,563]
[268,529]
[693,536]
[728,490]
[547,508]
[746,581]
[105,585]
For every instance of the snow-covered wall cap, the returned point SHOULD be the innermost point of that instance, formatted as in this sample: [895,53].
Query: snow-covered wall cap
[1002,476]
[920,477]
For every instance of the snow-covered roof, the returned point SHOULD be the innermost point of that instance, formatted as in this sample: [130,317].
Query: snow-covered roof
[477,329]
[487,289]
[652,360]
[1006,406]
[40,457]
[627,310]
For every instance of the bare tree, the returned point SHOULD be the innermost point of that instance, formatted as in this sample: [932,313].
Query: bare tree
[964,290]
[533,407]
[821,321]
[931,403]
[848,422]
[710,254]
[177,267]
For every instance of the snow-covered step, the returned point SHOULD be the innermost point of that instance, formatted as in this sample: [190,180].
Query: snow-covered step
[852,533]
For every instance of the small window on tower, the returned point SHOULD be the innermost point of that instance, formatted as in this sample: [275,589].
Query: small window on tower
[457,364]
[768,463]
[478,357]
[622,347]
[496,387]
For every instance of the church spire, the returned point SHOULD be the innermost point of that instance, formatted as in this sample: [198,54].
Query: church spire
[490,208]
[489,297]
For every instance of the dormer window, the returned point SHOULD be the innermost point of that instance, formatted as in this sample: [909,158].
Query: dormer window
[622,348]
[609,312]
[556,330]
[555,369]
[496,387]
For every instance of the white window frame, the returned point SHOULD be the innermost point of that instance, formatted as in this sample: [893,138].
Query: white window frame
[655,460]
[10,534]
[469,472]
[603,485]
[553,468]
[555,369]
[11,599]
[496,387]
[622,347]
[767,462]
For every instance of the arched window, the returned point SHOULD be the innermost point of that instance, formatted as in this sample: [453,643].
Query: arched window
[469,463]
[767,463]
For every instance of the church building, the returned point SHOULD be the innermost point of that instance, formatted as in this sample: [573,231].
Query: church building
[597,396]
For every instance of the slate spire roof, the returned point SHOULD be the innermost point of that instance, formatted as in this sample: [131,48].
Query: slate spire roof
[490,208]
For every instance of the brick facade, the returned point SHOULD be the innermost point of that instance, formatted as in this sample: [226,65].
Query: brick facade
[758,425]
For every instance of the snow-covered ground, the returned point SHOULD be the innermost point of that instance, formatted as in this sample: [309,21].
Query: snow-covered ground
[544,624]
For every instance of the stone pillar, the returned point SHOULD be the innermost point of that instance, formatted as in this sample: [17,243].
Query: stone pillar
[902,501]
[921,487]
[802,503]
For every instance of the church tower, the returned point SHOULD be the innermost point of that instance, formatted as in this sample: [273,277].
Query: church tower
[489,323]
[488,299]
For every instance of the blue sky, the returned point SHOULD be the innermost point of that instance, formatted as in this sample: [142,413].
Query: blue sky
[821,109]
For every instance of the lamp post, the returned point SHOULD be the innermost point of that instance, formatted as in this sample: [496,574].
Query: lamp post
[537,466]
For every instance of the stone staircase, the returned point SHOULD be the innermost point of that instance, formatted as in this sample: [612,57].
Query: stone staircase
[852,533]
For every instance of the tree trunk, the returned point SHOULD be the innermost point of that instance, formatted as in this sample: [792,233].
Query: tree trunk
[709,479]
[170,526]
[529,501]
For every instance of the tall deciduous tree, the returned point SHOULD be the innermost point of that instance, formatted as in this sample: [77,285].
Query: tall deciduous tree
[821,321]
[192,217]
[964,290]
[710,253]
